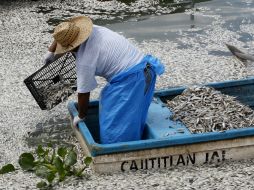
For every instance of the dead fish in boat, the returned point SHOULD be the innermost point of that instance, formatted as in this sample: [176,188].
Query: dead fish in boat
[204,109]
[242,56]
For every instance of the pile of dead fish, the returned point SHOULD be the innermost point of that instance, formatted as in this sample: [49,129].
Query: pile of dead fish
[204,109]
[56,93]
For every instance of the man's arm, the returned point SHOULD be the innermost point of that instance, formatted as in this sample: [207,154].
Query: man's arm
[52,47]
[50,57]
[83,101]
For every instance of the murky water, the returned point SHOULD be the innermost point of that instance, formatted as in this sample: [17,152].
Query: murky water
[124,13]
[171,26]
[169,23]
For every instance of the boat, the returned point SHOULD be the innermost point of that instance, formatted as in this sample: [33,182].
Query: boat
[168,143]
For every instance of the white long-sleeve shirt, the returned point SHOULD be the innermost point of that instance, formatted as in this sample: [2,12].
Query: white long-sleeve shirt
[105,53]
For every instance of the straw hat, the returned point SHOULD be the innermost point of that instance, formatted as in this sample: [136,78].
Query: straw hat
[71,33]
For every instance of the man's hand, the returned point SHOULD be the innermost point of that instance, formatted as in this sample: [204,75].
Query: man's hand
[83,101]
[76,120]
[49,57]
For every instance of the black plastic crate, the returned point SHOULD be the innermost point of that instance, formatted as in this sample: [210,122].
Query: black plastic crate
[61,71]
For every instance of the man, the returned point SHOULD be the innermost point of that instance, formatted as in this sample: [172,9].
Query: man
[130,74]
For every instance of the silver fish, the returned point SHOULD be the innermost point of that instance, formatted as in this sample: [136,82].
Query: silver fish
[57,93]
[203,109]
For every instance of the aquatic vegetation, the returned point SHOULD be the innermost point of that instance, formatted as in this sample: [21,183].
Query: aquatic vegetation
[50,164]
[7,168]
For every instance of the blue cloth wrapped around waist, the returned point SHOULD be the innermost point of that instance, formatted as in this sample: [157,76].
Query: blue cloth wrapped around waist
[155,63]
[125,101]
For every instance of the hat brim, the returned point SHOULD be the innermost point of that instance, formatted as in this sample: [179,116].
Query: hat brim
[85,25]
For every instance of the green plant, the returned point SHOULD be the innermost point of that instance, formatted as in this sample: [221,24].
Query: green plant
[50,164]
[7,168]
